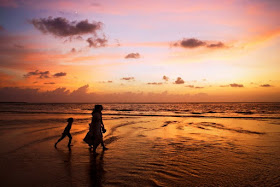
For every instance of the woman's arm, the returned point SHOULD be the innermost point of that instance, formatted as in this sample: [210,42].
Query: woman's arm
[102,124]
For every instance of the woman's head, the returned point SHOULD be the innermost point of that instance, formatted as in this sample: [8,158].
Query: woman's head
[98,108]
[70,120]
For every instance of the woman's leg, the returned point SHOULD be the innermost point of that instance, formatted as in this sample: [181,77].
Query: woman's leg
[95,145]
[102,143]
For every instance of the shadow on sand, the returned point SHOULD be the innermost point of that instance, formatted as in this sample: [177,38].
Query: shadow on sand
[96,168]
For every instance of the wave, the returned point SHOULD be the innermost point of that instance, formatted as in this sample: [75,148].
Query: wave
[139,114]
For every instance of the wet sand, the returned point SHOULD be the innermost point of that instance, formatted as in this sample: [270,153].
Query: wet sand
[143,151]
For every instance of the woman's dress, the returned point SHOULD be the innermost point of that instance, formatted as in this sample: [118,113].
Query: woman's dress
[94,136]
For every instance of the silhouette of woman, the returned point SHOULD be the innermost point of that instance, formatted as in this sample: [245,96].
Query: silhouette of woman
[94,137]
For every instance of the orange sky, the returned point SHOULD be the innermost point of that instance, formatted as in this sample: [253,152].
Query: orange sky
[120,51]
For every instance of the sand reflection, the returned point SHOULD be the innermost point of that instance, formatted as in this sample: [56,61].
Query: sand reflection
[96,169]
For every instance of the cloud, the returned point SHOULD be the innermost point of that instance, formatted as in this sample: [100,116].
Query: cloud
[62,27]
[192,86]
[216,45]
[72,38]
[43,74]
[73,50]
[128,78]
[224,85]
[37,73]
[49,83]
[179,81]
[133,55]
[106,82]
[82,94]
[192,43]
[154,83]
[265,85]
[236,85]
[97,42]
[189,43]
[165,78]
[60,74]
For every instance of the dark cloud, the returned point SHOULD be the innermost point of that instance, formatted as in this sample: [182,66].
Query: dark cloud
[155,83]
[72,38]
[49,83]
[179,81]
[133,55]
[165,78]
[216,45]
[37,73]
[60,74]
[97,42]
[224,85]
[265,85]
[189,43]
[128,78]
[82,94]
[195,43]
[236,85]
[62,27]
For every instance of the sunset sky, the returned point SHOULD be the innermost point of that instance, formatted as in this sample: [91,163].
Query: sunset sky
[139,51]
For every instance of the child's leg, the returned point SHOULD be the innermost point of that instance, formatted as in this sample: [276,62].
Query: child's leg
[70,139]
[61,138]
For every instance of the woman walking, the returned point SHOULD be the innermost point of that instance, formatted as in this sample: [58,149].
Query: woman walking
[94,137]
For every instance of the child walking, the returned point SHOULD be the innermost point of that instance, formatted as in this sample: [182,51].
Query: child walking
[66,132]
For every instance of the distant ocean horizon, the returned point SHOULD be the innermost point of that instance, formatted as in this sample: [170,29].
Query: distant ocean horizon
[180,109]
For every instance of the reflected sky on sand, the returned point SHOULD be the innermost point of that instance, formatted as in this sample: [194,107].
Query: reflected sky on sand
[143,151]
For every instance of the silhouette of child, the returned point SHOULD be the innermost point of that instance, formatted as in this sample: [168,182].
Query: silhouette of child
[66,132]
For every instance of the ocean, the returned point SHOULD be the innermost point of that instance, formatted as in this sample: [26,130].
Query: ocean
[150,144]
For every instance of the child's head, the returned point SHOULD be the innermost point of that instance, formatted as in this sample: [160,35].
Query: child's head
[70,120]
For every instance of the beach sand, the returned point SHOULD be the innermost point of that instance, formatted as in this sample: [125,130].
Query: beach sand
[143,151]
